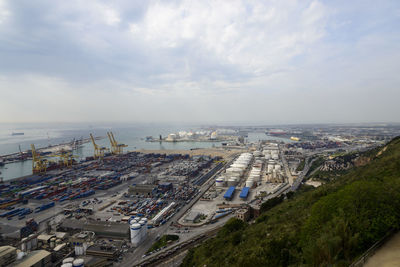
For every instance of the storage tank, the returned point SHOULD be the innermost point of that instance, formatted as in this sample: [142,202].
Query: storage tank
[142,229]
[28,245]
[232,182]
[249,183]
[66,264]
[278,167]
[219,182]
[68,260]
[270,168]
[24,244]
[257,153]
[135,234]
[78,263]
[33,238]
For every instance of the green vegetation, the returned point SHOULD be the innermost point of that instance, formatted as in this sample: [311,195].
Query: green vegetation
[163,241]
[202,217]
[301,166]
[315,164]
[328,226]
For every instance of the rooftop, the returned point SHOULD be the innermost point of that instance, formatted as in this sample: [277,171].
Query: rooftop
[32,258]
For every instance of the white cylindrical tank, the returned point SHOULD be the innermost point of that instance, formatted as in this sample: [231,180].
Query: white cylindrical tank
[28,245]
[34,241]
[278,167]
[219,182]
[66,264]
[68,260]
[270,168]
[135,234]
[142,229]
[24,244]
[78,263]
[249,183]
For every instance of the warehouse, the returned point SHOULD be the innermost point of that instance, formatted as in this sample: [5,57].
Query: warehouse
[143,189]
[36,258]
[100,228]
[229,193]
[245,193]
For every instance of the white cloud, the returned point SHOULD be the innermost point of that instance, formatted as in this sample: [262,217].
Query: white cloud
[214,60]
[4,12]
[257,38]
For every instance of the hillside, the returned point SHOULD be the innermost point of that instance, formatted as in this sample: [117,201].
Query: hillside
[327,226]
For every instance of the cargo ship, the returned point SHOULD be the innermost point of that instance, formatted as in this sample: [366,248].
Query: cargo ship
[20,133]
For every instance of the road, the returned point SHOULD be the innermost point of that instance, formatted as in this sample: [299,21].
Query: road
[286,167]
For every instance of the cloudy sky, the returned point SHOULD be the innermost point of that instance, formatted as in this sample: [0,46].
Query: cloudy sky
[282,61]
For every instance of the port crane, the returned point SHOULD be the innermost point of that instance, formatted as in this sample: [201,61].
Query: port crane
[115,147]
[39,165]
[98,151]
[66,158]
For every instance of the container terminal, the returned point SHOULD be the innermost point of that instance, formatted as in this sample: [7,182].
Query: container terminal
[111,208]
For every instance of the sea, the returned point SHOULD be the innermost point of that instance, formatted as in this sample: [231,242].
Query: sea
[133,135]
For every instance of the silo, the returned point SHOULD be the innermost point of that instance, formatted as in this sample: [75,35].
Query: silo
[135,234]
[142,229]
[28,245]
[143,223]
[33,239]
[24,244]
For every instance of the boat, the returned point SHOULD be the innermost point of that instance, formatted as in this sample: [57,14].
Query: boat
[20,133]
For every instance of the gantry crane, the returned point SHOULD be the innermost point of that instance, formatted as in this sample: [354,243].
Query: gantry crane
[39,165]
[115,147]
[98,151]
[66,158]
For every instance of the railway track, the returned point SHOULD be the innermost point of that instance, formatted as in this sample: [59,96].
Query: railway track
[157,259]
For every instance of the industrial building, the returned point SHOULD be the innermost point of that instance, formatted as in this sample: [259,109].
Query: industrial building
[36,258]
[100,228]
[244,193]
[143,189]
[243,214]
[229,193]
[192,217]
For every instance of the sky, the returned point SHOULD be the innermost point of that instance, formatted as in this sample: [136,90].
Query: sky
[208,61]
